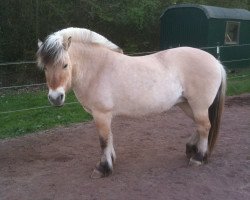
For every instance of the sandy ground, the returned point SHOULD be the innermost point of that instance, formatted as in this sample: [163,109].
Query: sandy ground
[151,162]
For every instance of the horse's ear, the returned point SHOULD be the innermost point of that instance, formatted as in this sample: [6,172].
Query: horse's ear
[39,43]
[66,43]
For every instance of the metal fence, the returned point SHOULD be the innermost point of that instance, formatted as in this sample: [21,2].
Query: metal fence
[40,85]
[231,55]
[25,73]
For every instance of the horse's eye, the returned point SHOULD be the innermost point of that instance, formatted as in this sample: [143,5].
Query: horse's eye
[65,66]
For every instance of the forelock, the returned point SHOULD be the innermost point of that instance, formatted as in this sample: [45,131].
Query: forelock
[51,50]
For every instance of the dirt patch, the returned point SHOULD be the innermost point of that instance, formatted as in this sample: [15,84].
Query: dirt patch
[242,100]
[151,162]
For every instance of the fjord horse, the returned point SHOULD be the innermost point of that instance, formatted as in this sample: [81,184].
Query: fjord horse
[108,83]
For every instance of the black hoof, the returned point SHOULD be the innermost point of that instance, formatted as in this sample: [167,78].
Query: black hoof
[198,159]
[101,170]
[191,150]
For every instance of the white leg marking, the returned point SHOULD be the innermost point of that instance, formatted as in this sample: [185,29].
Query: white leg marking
[109,151]
[202,145]
[194,138]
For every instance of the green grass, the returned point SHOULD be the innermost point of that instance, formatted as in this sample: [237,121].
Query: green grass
[20,121]
[239,82]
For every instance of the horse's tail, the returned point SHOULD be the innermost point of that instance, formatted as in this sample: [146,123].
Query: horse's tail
[215,111]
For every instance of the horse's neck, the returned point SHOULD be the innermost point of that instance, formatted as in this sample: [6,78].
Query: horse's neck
[87,61]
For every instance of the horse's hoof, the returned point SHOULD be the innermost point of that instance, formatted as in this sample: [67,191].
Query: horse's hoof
[101,170]
[96,174]
[191,150]
[193,162]
[198,159]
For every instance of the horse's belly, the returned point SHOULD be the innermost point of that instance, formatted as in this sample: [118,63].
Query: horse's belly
[148,102]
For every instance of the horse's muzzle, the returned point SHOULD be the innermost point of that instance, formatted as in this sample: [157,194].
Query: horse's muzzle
[57,97]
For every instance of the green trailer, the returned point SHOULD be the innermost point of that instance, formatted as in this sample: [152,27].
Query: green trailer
[223,32]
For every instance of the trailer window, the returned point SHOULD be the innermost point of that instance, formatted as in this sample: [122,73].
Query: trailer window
[232,33]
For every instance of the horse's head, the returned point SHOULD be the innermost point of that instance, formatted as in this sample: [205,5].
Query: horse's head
[53,57]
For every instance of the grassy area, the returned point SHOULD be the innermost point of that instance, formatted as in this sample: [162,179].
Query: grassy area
[18,123]
[27,121]
[238,82]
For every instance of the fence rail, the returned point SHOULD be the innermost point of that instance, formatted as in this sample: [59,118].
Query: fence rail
[132,54]
[17,63]
[22,86]
[70,103]
[34,108]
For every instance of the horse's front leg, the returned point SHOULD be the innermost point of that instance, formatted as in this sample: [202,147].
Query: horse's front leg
[103,124]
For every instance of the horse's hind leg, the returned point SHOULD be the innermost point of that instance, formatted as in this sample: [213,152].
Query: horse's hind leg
[201,119]
[197,146]
[191,146]
[103,124]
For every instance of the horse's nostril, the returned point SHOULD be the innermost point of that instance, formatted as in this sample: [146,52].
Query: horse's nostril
[61,97]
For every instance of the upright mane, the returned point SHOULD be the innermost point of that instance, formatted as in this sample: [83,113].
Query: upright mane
[87,36]
[53,47]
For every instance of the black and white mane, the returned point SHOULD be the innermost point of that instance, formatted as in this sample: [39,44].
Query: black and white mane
[53,47]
